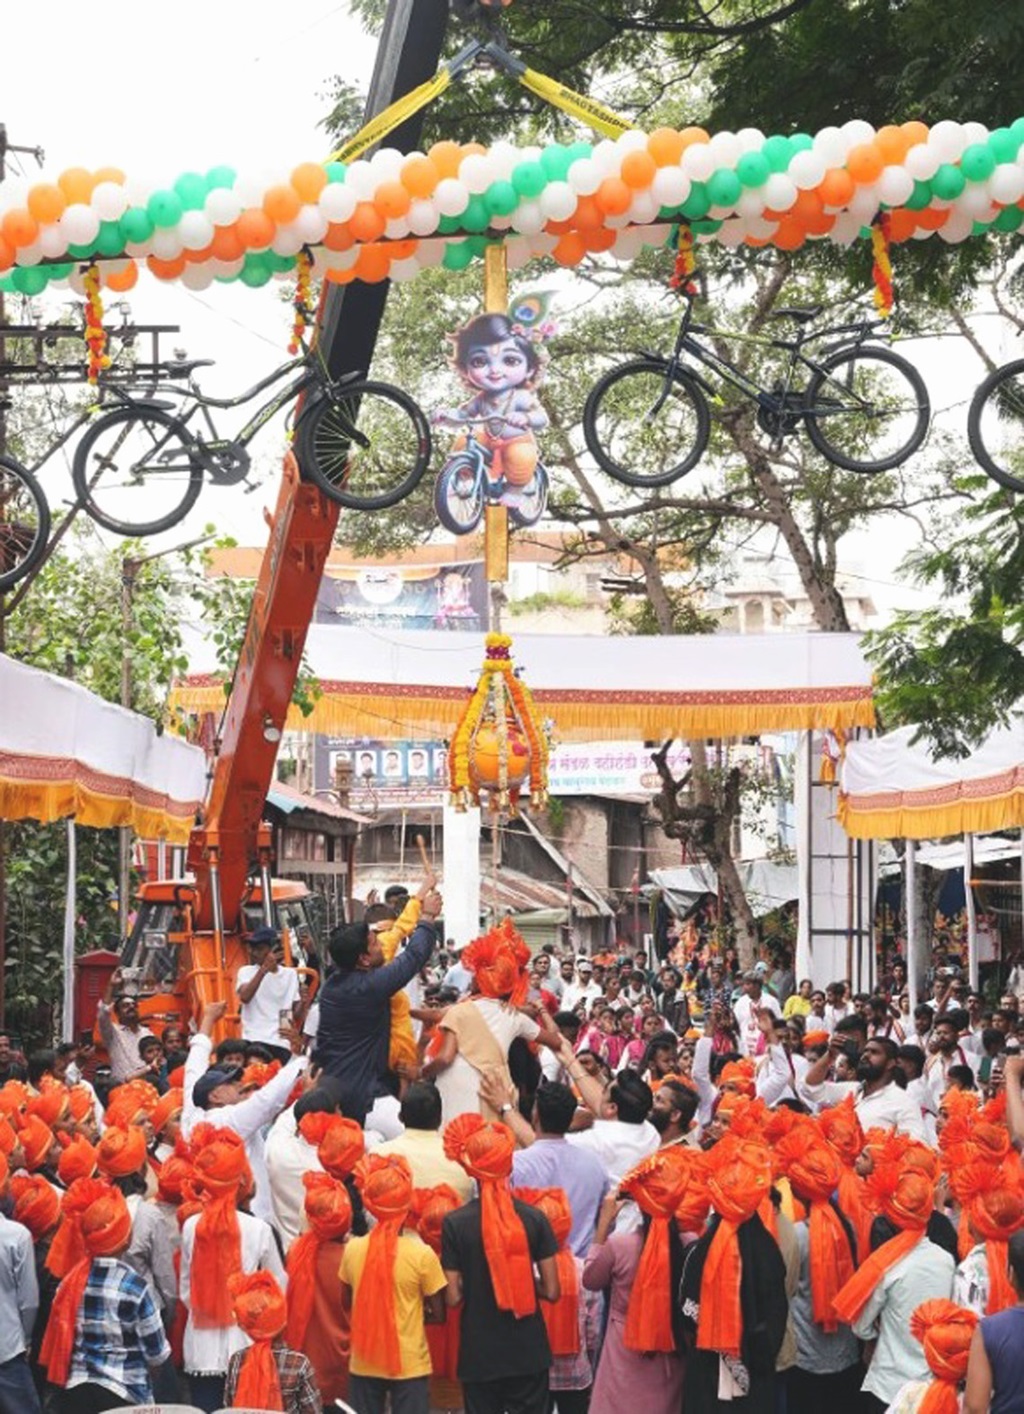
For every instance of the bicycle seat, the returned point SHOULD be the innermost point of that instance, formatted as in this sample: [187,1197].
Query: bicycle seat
[800,314]
[181,368]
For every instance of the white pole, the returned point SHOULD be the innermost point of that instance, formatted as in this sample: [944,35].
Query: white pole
[70,909]
[461,874]
[972,916]
[910,890]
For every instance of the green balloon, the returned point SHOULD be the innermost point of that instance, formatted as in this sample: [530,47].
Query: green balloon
[277,264]
[32,280]
[1017,128]
[255,271]
[706,228]
[800,142]
[61,270]
[476,217]
[576,150]
[698,203]
[164,208]
[219,177]
[135,224]
[82,252]
[478,245]
[190,189]
[978,162]
[724,187]
[777,151]
[335,171]
[1009,219]
[447,224]
[919,197]
[556,161]
[457,256]
[110,240]
[529,179]
[1004,144]
[753,169]
[501,198]
[948,182]
[981,228]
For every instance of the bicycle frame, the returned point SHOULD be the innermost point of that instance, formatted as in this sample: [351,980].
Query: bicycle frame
[202,404]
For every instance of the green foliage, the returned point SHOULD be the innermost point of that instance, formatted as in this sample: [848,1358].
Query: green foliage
[537,603]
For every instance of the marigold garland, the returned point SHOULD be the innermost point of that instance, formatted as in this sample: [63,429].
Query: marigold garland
[95,334]
[302,302]
[881,267]
[683,275]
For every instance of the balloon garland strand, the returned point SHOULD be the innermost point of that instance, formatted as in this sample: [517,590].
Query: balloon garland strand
[881,266]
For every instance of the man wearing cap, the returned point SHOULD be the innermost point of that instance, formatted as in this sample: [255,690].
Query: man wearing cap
[584,989]
[265,990]
[746,1011]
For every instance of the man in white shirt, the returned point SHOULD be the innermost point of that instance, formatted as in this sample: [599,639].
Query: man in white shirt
[836,1005]
[120,1030]
[746,1011]
[289,1156]
[878,1100]
[584,988]
[947,1051]
[267,992]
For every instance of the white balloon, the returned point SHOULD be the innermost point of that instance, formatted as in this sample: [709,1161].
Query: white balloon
[607,157]
[846,228]
[531,152]
[501,223]
[250,187]
[643,208]
[947,139]
[779,192]
[311,224]
[476,172]
[864,203]
[751,203]
[632,140]
[922,162]
[337,201]
[807,169]
[397,229]
[339,259]
[750,139]
[360,180]
[77,281]
[109,200]
[1007,183]
[976,201]
[761,229]
[287,240]
[628,245]
[957,228]
[543,244]
[895,185]
[222,206]
[670,187]
[227,269]
[450,197]
[137,190]
[517,253]
[726,149]
[80,223]
[386,164]
[195,230]
[197,277]
[974,132]
[732,233]
[431,253]
[52,241]
[406,269]
[856,131]
[30,254]
[585,176]
[619,222]
[831,146]
[138,250]
[557,201]
[698,161]
[165,243]
[14,193]
[422,217]
[504,156]
[529,218]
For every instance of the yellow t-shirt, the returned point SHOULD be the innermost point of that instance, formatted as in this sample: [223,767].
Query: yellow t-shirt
[796,1005]
[418,1275]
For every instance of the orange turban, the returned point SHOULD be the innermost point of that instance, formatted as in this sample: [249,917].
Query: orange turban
[106,1227]
[14,1096]
[168,1107]
[693,1208]
[738,1076]
[385,1182]
[813,1170]
[175,1171]
[815,1038]
[329,1211]
[340,1143]
[122,1150]
[68,1245]
[80,1103]
[739,1181]
[562,1317]
[36,1203]
[132,1101]
[907,1199]
[993,1202]
[945,1331]
[36,1142]
[257,1073]
[842,1129]
[220,1165]
[485,1152]
[8,1138]
[51,1104]
[77,1160]
[261,1313]
[5,1171]
[431,1206]
[657,1184]
[498,962]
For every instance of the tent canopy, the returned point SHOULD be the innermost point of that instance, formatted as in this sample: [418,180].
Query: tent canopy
[767,885]
[892,788]
[66,752]
[414,683]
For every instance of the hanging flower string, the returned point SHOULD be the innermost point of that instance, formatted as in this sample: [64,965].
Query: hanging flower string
[881,267]
[302,303]
[95,334]
[685,271]
[501,702]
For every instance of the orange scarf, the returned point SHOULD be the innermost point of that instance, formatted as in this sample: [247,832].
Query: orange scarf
[908,1204]
[813,1170]
[259,1309]
[944,1330]
[385,1183]
[740,1179]
[221,1166]
[329,1211]
[485,1152]
[106,1226]
[68,1246]
[657,1184]
[995,1216]
[562,1317]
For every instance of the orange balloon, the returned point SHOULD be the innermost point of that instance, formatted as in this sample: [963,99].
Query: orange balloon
[6,254]
[19,226]
[666,146]
[473,149]
[600,240]
[915,132]
[367,224]
[570,250]
[199,257]
[837,187]
[892,143]
[46,202]
[108,174]
[226,243]
[76,184]
[446,157]
[340,277]
[588,215]
[928,220]
[790,235]
[419,175]
[692,135]
[557,228]
[902,224]
[613,196]
[308,180]
[166,269]
[121,281]
[255,228]
[638,169]
[373,265]
[338,236]
[864,163]
[807,207]
[392,200]
[281,204]
[401,250]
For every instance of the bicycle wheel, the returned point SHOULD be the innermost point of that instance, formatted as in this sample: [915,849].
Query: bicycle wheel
[366,445]
[459,495]
[136,471]
[866,409]
[995,425]
[532,500]
[644,427]
[24,522]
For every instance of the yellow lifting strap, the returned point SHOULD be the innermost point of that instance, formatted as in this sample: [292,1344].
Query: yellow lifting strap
[596,115]
[393,117]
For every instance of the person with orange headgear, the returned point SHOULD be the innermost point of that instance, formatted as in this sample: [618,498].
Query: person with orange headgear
[992,1200]
[36,1205]
[476,1033]
[388,1280]
[19,1304]
[880,1297]
[640,1270]
[216,1244]
[945,1331]
[317,1322]
[291,1153]
[430,1208]
[733,1290]
[121,1158]
[489,1249]
[267,1374]
[995,1367]
[104,1336]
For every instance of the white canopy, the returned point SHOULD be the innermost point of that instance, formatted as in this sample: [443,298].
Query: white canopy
[767,885]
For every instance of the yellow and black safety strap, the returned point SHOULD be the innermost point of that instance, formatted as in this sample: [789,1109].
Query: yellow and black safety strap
[596,115]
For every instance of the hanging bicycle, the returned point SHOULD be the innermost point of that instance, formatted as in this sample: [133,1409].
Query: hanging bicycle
[995,425]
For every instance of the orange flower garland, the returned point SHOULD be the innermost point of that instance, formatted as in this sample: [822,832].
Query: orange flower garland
[95,334]
[881,267]
[303,296]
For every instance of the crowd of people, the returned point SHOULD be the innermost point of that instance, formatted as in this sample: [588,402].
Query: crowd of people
[500,1181]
